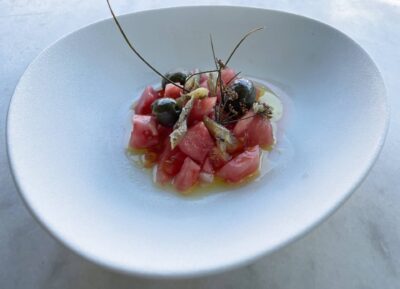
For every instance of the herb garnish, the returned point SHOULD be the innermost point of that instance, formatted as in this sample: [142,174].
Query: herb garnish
[225,111]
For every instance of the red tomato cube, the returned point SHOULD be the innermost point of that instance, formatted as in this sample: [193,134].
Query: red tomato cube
[197,142]
[144,132]
[187,176]
[227,75]
[241,166]
[164,133]
[201,108]
[243,124]
[172,91]
[254,130]
[143,106]
[171,160]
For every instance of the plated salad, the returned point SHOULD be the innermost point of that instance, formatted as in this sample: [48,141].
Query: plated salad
[197,136]
[197,127]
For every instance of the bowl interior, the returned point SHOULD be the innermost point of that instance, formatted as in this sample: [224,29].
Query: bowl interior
[69,123]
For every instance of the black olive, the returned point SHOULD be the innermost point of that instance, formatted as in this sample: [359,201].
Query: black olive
[175,76]
[166,111]
[246,95]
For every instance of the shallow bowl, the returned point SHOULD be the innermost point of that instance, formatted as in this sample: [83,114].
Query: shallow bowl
[68,125]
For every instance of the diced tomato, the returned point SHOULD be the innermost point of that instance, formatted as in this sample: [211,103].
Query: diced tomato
[143,106]
[169,163]
[254,130]
[163,132]
[241,166]
[161,93]
[217,158]
[197,142]
[172,91]
[227,74]
[201,108]
[163,140]
[261,133]
[187,176]
[166,150]
[243,124]
[171,160]
[207,167]
[144,133]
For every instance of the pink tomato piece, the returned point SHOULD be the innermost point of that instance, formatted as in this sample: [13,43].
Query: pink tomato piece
[143,106]
[144,133]
[164,133]
[171,160]
[243,124]
[254,130]
[261,133]
[187,176]
[172,91]
[197,142]
[169,163]
[201,108]
[227,75]
[241,166]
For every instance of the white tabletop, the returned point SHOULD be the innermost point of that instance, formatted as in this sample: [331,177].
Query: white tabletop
[357,247]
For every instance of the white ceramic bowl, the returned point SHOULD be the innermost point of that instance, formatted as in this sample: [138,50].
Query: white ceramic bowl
[69,119]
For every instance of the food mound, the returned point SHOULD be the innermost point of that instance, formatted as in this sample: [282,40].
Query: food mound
[199,127]
[202,125]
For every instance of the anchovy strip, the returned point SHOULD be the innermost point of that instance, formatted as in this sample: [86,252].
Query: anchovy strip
[225,139]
